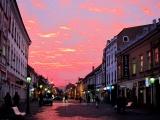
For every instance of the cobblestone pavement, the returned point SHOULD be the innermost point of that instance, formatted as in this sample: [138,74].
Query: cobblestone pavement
[73,110]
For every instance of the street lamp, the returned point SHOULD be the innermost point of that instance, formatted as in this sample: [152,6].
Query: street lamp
[28,83]
[152,80]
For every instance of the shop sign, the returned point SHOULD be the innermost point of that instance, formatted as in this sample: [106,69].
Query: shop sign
[147,82]
[126,66]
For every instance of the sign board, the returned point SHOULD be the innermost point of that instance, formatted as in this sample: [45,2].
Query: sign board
[126,66]
[147,82]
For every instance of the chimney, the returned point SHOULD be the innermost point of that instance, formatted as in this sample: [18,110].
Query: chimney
[154,23]
[92,68]
[159,21]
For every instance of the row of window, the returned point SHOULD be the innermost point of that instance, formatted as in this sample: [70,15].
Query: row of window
[141,58]
[155,61]
[18,43]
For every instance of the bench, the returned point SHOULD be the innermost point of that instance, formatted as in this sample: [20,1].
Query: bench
[129,105]
[19,115]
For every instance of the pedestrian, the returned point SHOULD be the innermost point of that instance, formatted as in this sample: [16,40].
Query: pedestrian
[16,99]
[80,99]
[66,98]
[97,101]
[40,98]
[88,99]
[119,100]
[102,99]
[8,101]
[135,101]
[124,103]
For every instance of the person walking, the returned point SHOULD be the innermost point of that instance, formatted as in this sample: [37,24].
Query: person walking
[88,100]
[124,103]
[16,99]
[119,102]
[40,98]
[97,101]
[8,101]
[66,98]
[80,99]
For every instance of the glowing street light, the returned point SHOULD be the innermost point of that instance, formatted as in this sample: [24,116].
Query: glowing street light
[28,83]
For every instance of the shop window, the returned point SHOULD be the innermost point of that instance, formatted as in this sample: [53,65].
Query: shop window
[134,65]
[148,60]
[141,63]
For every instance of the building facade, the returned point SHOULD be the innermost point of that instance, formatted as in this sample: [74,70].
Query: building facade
[14,46]
[137,64]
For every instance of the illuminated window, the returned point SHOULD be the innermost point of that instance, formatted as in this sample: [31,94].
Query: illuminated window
[141,63]
[148,60]
[156,60]
[134,65]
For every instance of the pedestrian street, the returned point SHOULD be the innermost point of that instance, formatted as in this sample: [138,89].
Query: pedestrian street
[73,110]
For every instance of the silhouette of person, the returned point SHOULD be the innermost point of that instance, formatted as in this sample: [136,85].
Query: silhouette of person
[88,99]
[16,99]
[40,99]
[119,102]
[80,99]
[8,101]
[97,101]
[123,103]
[66,98]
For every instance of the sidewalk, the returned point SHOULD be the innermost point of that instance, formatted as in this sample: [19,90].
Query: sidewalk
[34,108]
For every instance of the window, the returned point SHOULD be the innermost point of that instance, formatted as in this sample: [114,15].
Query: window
[125,39]
[4,47]
[134,65]
[115,76]
[156,59]
[119,71]
[1,2]
[141,63]
[148,60]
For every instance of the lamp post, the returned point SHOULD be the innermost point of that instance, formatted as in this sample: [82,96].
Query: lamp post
[28,83]
[152,80]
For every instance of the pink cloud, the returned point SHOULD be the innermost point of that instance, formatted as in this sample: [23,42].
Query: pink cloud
[104,9]
[66,1]
[39,4]
[158,5]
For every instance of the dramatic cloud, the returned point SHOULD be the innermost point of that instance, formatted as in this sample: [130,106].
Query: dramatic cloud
[68,36]
[48,35]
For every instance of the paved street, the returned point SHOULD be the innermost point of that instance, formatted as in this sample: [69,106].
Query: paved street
[73,110]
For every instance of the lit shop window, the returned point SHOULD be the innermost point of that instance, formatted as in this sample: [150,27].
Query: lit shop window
[141,63]
[134,65]
[148,60]
[156,60]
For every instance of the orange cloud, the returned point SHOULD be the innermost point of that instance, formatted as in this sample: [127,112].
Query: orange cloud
[146,10]
[66,28]
[48,35]
[67,49]
[31,21]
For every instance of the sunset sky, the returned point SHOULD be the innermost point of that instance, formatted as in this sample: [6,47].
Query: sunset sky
[68,36]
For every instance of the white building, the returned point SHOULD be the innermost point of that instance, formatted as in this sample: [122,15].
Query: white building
[15,51]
